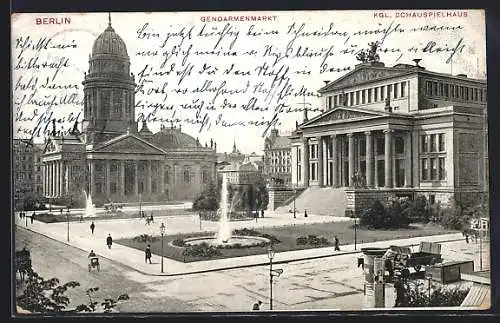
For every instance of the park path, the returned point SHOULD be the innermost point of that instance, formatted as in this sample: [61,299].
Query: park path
[80,237]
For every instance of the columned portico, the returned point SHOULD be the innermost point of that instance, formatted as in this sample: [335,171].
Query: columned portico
[388,157]
[350,138]
[369,159]
[335,161]
[320,161]
[305,161]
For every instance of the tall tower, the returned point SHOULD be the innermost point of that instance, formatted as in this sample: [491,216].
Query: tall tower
[109,106]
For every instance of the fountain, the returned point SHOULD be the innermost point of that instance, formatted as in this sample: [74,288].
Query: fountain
[90,210]
[224,235]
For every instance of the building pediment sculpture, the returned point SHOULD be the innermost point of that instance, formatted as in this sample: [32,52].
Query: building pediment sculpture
[342,114]
[129,145]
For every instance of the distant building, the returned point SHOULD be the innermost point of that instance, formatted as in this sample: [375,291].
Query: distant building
[23,171]
[234,157]
[242,173]
[37,169]
[253,157]
[277,160]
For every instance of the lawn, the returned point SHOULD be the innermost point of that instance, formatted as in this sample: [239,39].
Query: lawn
[288,238]
[56,217]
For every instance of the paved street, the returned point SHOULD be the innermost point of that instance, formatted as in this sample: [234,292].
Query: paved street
[326,283]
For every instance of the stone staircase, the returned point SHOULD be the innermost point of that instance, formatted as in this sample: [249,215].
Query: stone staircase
[319,201]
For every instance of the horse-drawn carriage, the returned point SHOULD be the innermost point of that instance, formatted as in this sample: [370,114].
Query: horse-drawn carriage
[94,263]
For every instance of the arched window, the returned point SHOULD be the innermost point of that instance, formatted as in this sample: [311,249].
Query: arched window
[187,174]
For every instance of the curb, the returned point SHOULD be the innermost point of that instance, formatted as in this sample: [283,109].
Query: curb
[226,268]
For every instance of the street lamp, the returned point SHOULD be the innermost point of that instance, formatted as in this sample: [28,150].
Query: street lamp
[270,254]
[272,272]
[67,220]
[294,197]
[355,232]
[163,228]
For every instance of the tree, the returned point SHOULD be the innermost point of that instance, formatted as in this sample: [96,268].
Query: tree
[23,263]
[48,297]
[208,200]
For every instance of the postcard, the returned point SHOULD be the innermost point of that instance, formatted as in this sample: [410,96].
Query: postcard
[170,162]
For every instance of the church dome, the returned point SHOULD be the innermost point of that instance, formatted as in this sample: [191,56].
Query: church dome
[173,138]
[110,43]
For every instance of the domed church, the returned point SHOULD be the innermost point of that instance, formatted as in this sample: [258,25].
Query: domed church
[109,157]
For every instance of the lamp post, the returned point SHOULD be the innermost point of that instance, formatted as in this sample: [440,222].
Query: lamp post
[294,197]
[272,273]
[270,254]
[355,232]
[163,228]
[67,220]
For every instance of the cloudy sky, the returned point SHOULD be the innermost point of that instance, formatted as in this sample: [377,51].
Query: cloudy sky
[207,69]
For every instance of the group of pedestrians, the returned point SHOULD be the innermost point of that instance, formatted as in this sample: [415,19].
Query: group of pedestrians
[109,239]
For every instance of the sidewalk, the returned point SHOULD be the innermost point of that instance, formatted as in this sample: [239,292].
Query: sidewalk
[81,238]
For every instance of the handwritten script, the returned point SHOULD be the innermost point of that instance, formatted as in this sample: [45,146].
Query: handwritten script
[215,75]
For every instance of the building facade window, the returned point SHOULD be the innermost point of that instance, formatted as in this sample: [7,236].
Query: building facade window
[403,89]
[432,157]
[399,145]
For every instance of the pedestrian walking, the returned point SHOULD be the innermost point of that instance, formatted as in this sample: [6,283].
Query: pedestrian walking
[262,213]
[337,243]
[109,241]
[305,213]
[256,306]
[148,253]
[32,217]
[466,238]
[21,215]
[92,227]
[81,218]
[256,216]
[61,210]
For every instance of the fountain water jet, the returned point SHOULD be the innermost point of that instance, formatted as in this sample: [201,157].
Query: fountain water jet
[224,237]
[90,210]
[224,233]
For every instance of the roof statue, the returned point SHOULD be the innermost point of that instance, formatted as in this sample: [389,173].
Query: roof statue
[370,55]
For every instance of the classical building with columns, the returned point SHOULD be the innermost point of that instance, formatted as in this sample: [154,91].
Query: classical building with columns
[395,131]
[109,158]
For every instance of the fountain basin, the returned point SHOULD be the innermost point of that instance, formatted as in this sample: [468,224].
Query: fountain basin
[243,241]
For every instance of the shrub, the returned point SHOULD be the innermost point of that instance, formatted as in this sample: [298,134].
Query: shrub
[374,216]
[179,242]
[202,250]
[301,240]
[312,240]
[413,296]
[379,217]
[145,238]
[417,210]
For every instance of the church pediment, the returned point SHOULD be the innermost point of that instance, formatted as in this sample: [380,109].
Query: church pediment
[362,75]
[128,144]
[339,115]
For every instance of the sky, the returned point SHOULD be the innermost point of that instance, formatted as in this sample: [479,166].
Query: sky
[249,66]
